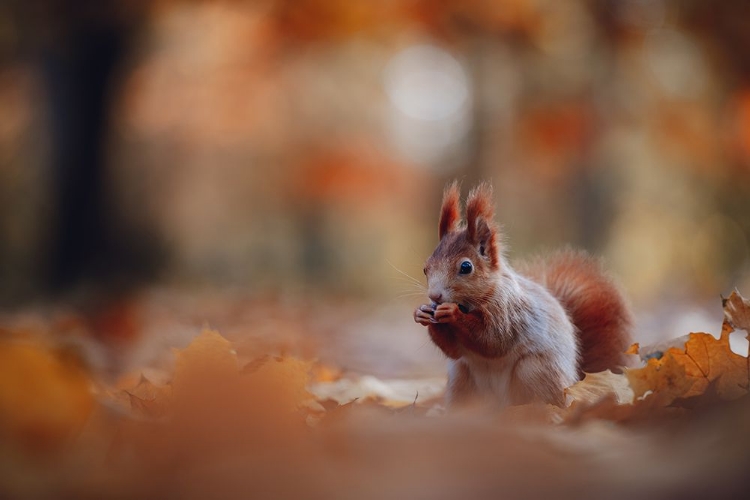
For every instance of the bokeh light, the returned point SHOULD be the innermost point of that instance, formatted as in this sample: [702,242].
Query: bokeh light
[430,97]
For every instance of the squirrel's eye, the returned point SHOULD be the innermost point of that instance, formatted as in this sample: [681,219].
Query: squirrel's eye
[466,267]
[424,271]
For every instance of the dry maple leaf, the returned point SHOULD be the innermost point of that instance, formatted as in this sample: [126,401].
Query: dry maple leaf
[645,410]
[596,386]
[709,397]
[209,354]
[610,396]
[633,349]
[665,377]
[148,399]
[703,362]
[288,377]
[254,365]
[44,397]
[215,408]
[325,373]
[707,359]
[208,368]
[737,311]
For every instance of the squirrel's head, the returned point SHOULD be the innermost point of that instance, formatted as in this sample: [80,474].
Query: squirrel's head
[463,267]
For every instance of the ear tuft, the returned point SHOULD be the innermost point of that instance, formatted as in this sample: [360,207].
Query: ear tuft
[480,225]
[450,211]
[479,206]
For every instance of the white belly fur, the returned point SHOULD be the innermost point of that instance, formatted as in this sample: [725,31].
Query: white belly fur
[492,377]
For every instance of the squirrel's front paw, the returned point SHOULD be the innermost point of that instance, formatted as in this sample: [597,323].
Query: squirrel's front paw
[447,313]
[424,314]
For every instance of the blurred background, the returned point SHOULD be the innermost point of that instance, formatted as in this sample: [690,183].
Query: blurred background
[295,151]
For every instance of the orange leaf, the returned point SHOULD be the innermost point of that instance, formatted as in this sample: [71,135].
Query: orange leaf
[254,365]
[208,371]
[44,397]
[596,386]
[149,399]
[664,376]
[737,311]
[633,349]
[287,377]
[684,373]
[324,373]
[707,359]
[208,355]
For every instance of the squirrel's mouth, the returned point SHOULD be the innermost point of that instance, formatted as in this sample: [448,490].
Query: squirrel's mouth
[464,308]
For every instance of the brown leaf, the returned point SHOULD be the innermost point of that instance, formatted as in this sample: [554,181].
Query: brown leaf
[208,370]
[44,398]
[596,386]
[329,404]
[286,375]
[645,410]
[147,407]
[707,359]
[633,349]
[208,355]
[254,365]
[149,399]
[709,397]
[685,373]
[325,373]
[664,376]
[534,413]
[737,311]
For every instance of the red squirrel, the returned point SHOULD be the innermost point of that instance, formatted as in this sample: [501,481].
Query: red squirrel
[511,337]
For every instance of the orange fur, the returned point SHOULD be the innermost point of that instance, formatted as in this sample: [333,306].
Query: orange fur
[515,338]
[480,225]
[479,207]
[449,211]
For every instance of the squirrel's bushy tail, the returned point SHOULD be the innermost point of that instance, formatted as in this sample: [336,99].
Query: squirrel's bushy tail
[594,304]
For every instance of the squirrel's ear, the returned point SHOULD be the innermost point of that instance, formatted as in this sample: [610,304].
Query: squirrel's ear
[449,212]
[486,240]
[480,228]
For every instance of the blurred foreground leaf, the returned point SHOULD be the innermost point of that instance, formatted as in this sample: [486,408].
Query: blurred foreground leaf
[281,427]
[45,396]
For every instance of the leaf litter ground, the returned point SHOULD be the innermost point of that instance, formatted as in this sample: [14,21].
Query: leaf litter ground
[220,424]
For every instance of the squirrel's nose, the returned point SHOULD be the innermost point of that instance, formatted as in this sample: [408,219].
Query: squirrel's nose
[436,297]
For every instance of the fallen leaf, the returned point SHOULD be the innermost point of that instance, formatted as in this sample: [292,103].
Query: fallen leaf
[394,392]
[644,410]
[208,355]
[665,377]
[633,349]
[255,364]
[325,373]
[45,398]
[609,396]
[149,399]
[707,359]
[533,413]
[287,376]
[709,397]
[703,362]
[737,311]
[596,386]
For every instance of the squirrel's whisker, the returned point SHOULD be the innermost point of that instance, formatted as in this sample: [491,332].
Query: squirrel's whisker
[412,278]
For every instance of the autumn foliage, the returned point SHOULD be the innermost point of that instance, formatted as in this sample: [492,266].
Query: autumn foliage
[221,427]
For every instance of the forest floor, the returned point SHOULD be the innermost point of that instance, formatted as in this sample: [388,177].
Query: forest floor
[221,393]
